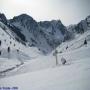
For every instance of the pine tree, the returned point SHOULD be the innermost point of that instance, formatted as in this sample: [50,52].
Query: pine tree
[85,42]
[0,42]
[0,52]
[8,49]
[0,46]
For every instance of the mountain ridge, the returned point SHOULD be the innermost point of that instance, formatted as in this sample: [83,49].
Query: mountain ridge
[45,35]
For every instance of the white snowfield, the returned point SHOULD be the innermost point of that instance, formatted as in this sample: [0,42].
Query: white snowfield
[41,73]
[75,76]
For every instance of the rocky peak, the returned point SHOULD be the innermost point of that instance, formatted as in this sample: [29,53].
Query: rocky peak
[25,21]
[3,18]
[53,26]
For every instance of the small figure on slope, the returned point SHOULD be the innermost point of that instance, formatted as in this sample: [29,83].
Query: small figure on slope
[85,42]
[66,47]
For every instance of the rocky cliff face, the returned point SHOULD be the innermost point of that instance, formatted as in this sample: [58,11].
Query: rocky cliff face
[81,27]
[45,35]
[3,18]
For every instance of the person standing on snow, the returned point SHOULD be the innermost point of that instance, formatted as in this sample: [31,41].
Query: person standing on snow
[85,42]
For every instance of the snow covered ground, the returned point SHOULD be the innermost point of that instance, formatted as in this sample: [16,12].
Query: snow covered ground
[69,77]
[41,73]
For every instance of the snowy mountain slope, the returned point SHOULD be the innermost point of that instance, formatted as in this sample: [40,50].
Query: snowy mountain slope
[10,60]
[30,29]
[49,35]
[77,43]
[73,54]
[73,76]
[8,39]
[55,32]
[37,34]
[39,71]
[45,35]
[81,27]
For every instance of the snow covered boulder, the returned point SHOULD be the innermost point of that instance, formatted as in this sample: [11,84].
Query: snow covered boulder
[63,60]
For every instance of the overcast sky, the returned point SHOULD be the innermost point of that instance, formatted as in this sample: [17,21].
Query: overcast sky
[68,11]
